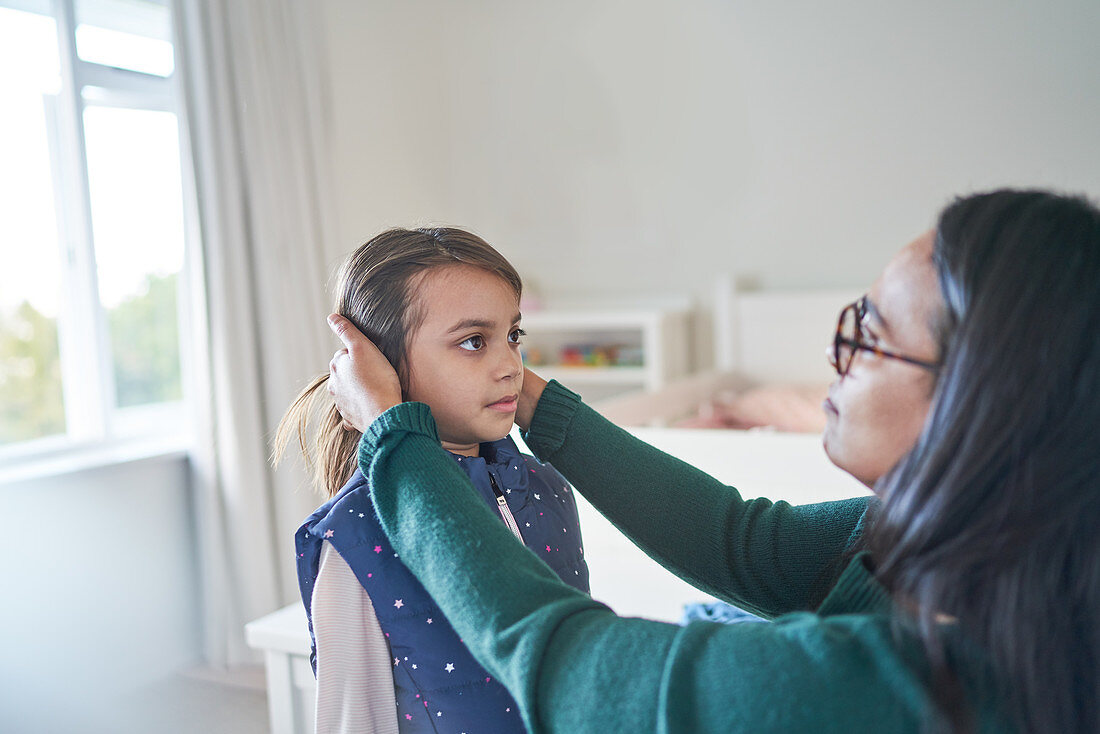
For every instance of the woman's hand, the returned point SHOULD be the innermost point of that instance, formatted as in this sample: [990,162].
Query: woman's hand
[528,398]
[360,378]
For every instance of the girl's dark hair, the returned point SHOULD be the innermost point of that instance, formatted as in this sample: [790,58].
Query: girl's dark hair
[993,518]
[376,291]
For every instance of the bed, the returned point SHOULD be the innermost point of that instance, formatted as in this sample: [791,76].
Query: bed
[771,375]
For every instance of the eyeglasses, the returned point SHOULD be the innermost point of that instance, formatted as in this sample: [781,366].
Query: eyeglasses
[849,339]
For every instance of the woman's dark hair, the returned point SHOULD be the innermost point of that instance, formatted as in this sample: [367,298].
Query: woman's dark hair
[990,526]
[376,290]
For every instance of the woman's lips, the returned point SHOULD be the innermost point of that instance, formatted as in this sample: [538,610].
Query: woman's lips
[504,405]
[828,407]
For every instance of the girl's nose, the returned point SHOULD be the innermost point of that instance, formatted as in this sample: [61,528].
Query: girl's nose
[517,365]
[510,364]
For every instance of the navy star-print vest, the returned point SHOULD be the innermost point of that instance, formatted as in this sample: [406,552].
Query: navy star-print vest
[438,685]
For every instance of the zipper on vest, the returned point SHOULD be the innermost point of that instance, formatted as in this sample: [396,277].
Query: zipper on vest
[502,506]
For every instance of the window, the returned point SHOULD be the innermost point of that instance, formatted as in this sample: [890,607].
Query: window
[91,223]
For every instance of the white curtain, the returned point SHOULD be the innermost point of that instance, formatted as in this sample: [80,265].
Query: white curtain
[256,113]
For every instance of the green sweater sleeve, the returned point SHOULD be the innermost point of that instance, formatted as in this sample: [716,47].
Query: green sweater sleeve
[573,666]
[771,558]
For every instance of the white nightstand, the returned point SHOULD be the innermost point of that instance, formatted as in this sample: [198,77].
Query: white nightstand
[283,636]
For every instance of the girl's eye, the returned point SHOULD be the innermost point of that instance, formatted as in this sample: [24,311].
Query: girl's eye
[473,344]
[514,337]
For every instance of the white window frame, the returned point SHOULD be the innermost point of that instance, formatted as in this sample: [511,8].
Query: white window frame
[95,428]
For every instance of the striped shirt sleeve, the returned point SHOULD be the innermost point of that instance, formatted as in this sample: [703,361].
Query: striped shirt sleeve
[354,671]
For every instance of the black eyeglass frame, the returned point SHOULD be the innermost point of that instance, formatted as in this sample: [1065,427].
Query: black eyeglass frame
[839,340]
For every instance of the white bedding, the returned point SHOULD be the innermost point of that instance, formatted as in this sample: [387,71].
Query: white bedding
[780,466]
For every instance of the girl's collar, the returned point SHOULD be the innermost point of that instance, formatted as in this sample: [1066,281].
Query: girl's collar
[505,459]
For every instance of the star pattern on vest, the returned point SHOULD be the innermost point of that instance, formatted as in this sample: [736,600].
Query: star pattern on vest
[542,523]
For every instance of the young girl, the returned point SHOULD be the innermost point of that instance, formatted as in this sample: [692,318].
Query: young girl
[443,306]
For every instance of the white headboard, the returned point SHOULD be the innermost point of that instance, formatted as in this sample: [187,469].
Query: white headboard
[760,338]
[776,336]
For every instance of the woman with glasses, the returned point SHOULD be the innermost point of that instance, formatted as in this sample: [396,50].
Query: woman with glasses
[965,596]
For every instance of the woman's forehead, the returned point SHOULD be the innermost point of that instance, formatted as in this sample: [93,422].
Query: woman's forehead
[907,294]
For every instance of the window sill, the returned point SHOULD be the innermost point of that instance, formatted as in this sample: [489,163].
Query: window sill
[78,458]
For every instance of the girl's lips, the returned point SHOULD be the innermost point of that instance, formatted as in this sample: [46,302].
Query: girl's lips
[504,406]
[828,407]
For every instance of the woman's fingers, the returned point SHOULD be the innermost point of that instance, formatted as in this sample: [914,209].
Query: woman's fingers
[334,362]
[529,395]
[343,329]
[361,381]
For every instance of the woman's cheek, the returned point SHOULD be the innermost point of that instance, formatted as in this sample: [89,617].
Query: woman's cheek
[854,435]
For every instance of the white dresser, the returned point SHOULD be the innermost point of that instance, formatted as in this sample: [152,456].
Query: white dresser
[283,636]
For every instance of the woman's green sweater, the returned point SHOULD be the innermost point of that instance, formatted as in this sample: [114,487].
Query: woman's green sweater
[829,662]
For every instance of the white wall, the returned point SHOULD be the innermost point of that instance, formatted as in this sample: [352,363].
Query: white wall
[626,146]
[100,595]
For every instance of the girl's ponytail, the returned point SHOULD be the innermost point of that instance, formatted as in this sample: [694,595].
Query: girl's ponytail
[332,457]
